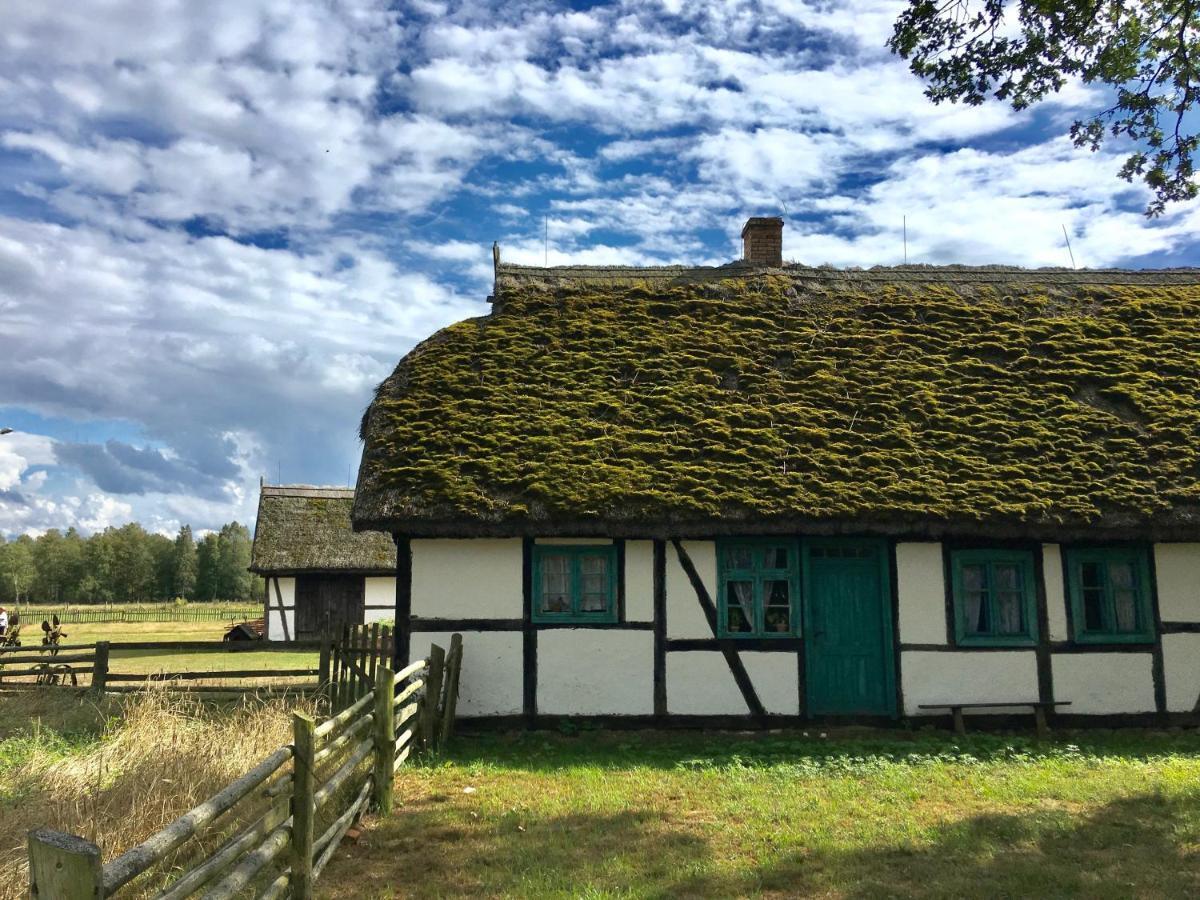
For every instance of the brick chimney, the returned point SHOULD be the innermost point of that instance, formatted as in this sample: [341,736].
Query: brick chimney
[762,241]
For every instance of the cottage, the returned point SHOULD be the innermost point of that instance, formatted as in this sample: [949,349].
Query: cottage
[766,493]
[318,572]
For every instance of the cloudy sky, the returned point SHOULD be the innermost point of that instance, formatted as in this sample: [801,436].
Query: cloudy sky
[222,223]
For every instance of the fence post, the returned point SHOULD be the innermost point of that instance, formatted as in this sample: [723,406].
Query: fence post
[303,804]
[433,692]
[385,738]
[64,867]
[100,669]
[453,669]
[323,688]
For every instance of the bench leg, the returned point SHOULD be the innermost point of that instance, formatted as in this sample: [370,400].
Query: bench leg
[960,727]
[1039,716]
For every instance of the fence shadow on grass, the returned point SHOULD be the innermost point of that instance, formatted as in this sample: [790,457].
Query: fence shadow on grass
[1136,846]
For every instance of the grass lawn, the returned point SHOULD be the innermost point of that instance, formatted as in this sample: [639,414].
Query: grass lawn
[601,814]
[144,662]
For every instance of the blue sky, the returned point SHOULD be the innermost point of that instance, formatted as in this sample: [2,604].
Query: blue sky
[221,224]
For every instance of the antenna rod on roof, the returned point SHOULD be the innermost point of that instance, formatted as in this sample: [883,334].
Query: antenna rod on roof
[905,220]
[546,239]
[1072,255]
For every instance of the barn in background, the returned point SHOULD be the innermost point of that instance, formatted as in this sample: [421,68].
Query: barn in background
[317,570]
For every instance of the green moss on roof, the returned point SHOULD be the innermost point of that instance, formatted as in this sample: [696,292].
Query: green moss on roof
[727,400]
[307,529]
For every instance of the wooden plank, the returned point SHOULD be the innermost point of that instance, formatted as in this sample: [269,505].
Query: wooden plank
[26,673]
[357,727]
[63,867]
[433,691]
[373,660]
[48,658]
[334,723]
[100,669]
[304,807]
[342,775]
[450,705]
[215,675]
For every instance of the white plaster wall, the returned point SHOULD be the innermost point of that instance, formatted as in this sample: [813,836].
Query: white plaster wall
[1099,683]
[639,581]
[380,591]
[1177,567]
[287,593]
[776,680]
[1056,595]
[699,683]
[1181,666]
[476,578]
[491,682]
[585,671]
[921,588]
[685,618]
[967,676]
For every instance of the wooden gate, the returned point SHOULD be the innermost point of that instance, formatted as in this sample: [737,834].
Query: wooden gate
[349,664]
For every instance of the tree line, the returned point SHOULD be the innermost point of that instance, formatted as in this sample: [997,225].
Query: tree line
[128,564]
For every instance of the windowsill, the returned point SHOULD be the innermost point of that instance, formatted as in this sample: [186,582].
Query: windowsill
[1017,642]
[1092,640]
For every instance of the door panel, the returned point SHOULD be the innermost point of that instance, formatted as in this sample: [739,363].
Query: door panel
[338,599]
[848,634]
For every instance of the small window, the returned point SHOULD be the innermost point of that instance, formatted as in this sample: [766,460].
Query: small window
[758,589]
[1110,594]
[994,597]
[574,584]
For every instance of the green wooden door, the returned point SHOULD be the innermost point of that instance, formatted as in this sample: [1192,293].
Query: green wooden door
[848,628]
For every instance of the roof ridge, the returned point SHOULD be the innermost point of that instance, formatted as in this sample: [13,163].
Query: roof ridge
[305,490]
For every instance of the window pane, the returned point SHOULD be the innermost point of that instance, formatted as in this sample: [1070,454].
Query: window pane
[1009,613]
[776,558]
[1124,591]
[1090,575]
[777,598]
[556,584]
[1008,577]
[739,557]
[1093,609]
[975,599]
[739,603]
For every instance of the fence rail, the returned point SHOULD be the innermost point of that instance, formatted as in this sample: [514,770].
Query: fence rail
[323,780]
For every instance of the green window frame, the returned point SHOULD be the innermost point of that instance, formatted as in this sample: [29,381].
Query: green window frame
[758,588]
[995,598]
[1110,594]
[575,584]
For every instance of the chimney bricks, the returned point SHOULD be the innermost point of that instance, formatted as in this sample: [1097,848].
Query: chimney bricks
[762,241]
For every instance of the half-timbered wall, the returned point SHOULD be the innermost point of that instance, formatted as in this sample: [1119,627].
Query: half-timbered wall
[379,603]
[663,658]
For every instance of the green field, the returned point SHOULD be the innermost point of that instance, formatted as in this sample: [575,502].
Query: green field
[690,815]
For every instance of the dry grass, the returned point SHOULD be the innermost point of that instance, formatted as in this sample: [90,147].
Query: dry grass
[118,772]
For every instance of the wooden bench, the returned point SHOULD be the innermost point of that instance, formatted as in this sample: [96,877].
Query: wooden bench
[1039,711]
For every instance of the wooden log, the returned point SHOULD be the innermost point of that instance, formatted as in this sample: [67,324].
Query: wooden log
[338,778]
[133,862]
[408,691]
[401,757]
[450,704]
[385,738]
[100,669]
[253,863]
[342,824]
[357,727]
[433,691]
[402,741]
[276,815]
[332,724]
[410,670]
[277,888]
[64,867]
[323,665]
[406,713]
[304,806]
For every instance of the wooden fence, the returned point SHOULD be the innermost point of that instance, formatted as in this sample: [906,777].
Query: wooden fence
[63,663]
[300,801]
[85,615]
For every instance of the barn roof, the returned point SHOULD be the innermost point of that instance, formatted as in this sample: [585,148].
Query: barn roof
[910,401]
[301,528]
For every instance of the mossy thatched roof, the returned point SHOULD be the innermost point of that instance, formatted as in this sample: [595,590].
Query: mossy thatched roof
[912,400]
[307,529]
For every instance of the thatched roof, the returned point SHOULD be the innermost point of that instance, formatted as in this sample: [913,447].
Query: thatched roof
[912,400]
[307,529]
